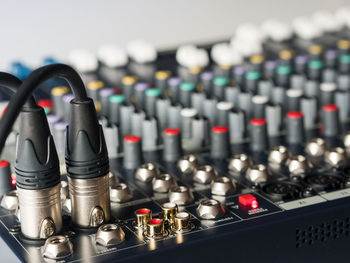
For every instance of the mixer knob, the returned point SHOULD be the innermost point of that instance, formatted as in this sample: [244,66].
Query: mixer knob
[220,84]
[258,135]
[207,81]
[197,100]
[209,110]
[115,102]
[172,145]
[308,106]
[149,133]
[200,132]
[6,183]
[174,116]
[161,79]
[330,120]
[342,99]
[93,89]
[295,127]
[273,114]
[186,90]
[132,152]
[151,96]
[187,115]
[259,103]
[104,95]
[237,125]
[327,93]
[140,89]
[223,109]
[174,84]
[293,99]
[220,143]
[126,110]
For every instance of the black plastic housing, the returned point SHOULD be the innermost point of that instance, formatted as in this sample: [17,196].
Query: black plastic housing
[37,164]
[86,151]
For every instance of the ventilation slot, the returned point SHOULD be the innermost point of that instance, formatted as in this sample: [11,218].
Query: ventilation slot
[323,232]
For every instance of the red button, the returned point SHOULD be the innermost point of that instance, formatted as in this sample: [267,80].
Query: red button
[248,200]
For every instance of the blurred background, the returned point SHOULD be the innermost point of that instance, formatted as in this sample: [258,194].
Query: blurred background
[33,29]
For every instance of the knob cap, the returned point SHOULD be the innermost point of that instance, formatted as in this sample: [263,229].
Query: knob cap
[220,143]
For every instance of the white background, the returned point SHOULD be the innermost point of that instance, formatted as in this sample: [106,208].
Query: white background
[32,29]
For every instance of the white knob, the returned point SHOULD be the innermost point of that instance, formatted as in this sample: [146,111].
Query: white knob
[112,56]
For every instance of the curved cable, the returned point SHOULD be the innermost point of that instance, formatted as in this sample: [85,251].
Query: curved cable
[11,82]
[30,84]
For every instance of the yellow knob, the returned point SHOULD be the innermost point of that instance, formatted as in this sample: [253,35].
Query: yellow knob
[315,49]
[163,74]
[343,44]
[95,85]
[257,59]
[129,80]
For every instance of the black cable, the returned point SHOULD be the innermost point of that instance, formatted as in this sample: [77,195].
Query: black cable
[11,82]
[30,84]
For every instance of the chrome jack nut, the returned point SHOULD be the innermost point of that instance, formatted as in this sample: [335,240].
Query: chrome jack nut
[181,195]
[335,156]
[222,186]
[298,165]
[10,200]
[57,247]
[205,174]
[346,140]
[239,163]
[210,209]
[109,235]
[120,193]
[113,179]
[187,163]
[278,155]
[258,173]
[161,183]
[316,147]
[146,172]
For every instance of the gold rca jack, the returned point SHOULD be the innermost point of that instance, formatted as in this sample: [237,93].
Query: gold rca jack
[169,211]
[142,216]
[155,229]
[182,223]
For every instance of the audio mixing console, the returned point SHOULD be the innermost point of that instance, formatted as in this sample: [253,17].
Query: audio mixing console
[240,156]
